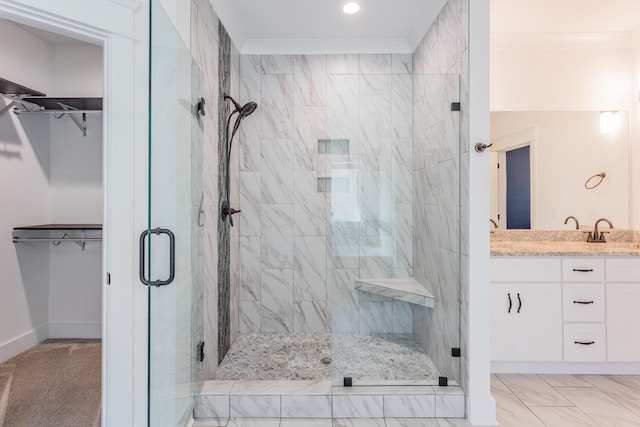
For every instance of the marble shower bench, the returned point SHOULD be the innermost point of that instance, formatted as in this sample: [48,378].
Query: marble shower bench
[405,289]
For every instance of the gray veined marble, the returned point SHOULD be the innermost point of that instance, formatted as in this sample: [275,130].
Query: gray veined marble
[342,106]
[277,64]
[277,103]
[277,171]
[310,80]
[310,316]
[309,210]
[250,268]
[310,123]
[277,300]
[375,64]
[277,236]
[402,105]
[250,218]
[310,268]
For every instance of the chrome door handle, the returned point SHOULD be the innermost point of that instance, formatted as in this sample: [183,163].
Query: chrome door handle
[172,257]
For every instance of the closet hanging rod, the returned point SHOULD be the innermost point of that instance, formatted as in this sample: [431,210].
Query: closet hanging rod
[56,111]
[55,240]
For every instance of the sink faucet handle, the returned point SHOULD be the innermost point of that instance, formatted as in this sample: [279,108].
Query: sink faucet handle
[602,233]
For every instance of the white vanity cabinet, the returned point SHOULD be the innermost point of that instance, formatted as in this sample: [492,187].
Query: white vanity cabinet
[526,309]
[572,309]
[583,306]
[623,310]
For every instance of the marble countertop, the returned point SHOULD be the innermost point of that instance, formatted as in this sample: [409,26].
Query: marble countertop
[559,248]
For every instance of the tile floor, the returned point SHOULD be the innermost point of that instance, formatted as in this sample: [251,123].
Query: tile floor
[567,400]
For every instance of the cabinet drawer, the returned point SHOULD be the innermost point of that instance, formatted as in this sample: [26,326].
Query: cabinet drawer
[524,270]
[582,270]
[583,302]
[623,270]
[584,342]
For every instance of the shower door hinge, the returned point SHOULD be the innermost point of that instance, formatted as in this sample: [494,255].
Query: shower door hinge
[455,106]
[443,381]
[200,351]
[455,352]
[347,381]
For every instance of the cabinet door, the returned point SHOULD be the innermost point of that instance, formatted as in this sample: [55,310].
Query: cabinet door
[623,318]
[538,322]
[502,322]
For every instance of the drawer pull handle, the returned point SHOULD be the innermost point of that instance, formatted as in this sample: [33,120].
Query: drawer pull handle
[519,303]
[510,303]
[583,302]
[584,342]
[583,270]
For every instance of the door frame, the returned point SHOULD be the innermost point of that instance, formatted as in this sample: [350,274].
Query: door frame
[500,147]
[121,28]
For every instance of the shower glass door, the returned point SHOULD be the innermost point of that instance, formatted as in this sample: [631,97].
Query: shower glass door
[394,243]
[172,246]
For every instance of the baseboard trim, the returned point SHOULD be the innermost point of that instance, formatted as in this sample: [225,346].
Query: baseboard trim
[24,342]
[601,368]
[75,330]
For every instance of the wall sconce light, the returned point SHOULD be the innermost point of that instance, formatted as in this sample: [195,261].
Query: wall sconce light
[609,121]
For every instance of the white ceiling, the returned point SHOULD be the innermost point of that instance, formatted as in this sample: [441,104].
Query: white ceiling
[564,16]
[303,26]
[292,26]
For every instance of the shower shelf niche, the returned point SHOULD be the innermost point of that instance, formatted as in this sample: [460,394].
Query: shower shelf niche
[405,289]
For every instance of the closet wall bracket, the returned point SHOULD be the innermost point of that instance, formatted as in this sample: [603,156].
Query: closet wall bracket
[82,124]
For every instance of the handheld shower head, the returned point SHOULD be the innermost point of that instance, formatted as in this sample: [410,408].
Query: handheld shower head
[247,109]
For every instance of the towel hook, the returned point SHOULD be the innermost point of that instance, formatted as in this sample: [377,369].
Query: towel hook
[481,146]
[601,175]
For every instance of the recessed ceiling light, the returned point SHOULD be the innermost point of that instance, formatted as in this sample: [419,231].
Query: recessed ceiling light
[351,8]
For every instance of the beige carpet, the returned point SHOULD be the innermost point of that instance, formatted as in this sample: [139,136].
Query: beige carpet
[56,383]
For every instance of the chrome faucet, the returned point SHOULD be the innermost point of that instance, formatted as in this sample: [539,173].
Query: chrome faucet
[573,218]
[494,223]
[598,236]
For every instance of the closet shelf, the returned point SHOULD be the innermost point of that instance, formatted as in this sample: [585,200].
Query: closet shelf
[58,233]
[24,100]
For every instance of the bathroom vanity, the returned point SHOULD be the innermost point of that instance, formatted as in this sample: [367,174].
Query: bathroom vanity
[565,307]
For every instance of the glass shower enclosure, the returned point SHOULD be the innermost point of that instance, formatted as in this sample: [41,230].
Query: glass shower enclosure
[171,249]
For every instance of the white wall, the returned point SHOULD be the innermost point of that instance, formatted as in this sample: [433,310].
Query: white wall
[24,172]
[544,78]
[50,174]
[75,195]
[19,46]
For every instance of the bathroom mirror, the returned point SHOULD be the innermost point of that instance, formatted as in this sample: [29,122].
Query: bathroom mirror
[541,160]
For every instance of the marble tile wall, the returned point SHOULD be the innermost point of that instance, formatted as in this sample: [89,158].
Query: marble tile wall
[301,249]
[204,49]
[440,165]
[205,44]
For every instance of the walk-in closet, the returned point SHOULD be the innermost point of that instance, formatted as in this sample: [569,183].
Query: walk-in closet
[51,215]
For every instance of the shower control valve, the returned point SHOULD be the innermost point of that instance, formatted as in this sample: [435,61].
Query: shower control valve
[228,211]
